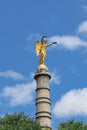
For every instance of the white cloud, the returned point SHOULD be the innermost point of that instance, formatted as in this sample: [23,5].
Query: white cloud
[72,103]
[55,78]
[12,74]
[72,42]
[19,94]
[83,27]
[69,42]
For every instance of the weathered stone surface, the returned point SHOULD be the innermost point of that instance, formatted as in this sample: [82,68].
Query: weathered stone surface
[43,115]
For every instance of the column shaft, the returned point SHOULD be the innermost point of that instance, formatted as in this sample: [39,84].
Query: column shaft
[43,115]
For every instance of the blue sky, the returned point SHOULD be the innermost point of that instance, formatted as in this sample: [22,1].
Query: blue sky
[22,22]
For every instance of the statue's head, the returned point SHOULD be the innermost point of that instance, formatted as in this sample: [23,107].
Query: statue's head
[44,39]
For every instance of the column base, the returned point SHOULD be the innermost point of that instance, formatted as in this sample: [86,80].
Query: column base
[46,128]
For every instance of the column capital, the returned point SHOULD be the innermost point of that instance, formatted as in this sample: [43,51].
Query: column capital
[40,72]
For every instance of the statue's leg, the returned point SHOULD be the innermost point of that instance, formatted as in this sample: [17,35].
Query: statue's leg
[41,60]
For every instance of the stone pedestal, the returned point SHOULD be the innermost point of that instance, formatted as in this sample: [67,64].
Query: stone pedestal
[43,115]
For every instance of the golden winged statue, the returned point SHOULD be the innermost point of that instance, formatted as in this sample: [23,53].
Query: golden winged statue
[41,50]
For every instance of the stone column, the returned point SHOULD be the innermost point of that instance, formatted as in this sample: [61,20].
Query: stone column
[43,115]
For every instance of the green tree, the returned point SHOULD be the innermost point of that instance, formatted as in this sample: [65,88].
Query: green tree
[18,122]
[72,125]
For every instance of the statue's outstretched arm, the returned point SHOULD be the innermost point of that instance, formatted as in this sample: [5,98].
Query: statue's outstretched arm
[47,45]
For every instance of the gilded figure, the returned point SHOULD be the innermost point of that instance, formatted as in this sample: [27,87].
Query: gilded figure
[41,50]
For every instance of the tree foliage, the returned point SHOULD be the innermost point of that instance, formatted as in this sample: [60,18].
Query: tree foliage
[18,122]
[72,125]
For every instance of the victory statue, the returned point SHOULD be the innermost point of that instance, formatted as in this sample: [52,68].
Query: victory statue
[41,50]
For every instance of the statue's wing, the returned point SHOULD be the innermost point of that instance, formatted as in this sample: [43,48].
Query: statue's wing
[38,47]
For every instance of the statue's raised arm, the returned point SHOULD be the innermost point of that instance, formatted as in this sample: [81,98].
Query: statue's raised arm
[51,44]
[41,50]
